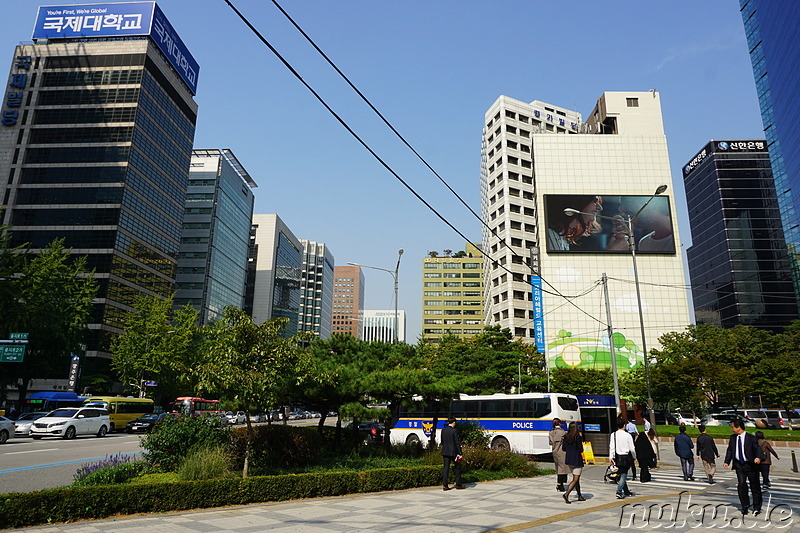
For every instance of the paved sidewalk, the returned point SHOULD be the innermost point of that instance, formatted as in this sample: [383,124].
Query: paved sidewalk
[500,506]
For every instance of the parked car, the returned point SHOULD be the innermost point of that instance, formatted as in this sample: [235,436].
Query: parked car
[751,415]
[145,423]
[255,418]
[724,419]
[275,416]
[781,418]
[25,421]
[663,418]
[69,422]
[684,420]
[371,432]
[6,429]
[237,417]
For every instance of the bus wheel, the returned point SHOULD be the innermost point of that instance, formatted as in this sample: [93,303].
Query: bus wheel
[412,439]
[501,443]
[102,432]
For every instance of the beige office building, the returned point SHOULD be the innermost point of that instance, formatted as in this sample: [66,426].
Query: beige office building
[537,161]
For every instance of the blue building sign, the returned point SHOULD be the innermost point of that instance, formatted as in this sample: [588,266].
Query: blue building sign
[538,313]
[118,20]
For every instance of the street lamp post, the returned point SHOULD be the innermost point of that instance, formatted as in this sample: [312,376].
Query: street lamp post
[394,274]
[632,247]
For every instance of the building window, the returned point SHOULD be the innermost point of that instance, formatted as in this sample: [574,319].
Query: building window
[632,102]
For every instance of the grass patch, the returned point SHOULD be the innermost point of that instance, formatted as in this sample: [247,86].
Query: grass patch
[723,432]
[156,478]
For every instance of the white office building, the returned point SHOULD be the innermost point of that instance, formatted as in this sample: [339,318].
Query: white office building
[538,160]
[316,289]
[378,325]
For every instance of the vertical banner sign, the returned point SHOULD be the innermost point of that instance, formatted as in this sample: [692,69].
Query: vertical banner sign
[73,373]
[17,82]
[538,313]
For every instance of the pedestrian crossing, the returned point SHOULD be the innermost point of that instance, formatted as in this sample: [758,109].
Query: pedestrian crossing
[783,489]
[674,480]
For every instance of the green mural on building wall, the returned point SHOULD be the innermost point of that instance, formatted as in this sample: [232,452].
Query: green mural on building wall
[567,351]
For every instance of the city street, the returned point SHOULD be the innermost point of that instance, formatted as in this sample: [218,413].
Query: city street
[27,465]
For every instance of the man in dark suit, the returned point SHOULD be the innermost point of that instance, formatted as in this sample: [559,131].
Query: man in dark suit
[744,455]
[451,452]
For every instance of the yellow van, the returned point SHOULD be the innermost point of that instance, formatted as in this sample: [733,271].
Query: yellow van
[121,409]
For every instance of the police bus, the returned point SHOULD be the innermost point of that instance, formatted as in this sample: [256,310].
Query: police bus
[516,422]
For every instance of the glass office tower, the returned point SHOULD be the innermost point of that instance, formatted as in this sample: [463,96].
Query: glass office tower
[96,137]
[773,33]
[316,289]
[212,266]
[738,262]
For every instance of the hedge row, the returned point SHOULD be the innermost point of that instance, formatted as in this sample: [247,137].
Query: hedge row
[75,503]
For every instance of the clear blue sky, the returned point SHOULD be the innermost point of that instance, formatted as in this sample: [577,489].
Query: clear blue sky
[433,68]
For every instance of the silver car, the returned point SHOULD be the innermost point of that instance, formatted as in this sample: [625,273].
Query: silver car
[6,429]
[25,421]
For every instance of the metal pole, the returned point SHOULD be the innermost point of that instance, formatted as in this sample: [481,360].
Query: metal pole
[604,279]
[396,312]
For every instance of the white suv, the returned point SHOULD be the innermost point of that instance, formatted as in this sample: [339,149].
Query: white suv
[70,422]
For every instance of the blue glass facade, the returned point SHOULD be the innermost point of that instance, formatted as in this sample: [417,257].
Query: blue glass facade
[773,31]
[212,266]
[286,291]
[738,262]
[100,158]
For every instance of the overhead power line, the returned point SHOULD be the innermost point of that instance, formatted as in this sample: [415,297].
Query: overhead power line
[375,155]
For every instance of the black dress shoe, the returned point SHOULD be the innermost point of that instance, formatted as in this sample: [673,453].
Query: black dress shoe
[581,499]
[560,488]
[445,488]
[745,511]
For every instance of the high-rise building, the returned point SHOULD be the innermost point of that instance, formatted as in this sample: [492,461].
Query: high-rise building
[379,325]
[773,31]
[98,121]
[452,294]
[348,300]
[738,261]
[316,289]
[275,272]
[543,268]
[212,264]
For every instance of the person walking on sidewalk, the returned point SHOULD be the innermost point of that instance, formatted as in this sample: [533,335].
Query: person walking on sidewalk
[645,455]
[744,456]
[555,437]
[707,452]
[630,427]
[683,449]
[451,452]
[573,447]
[766,460]
[622,453]
[653,438]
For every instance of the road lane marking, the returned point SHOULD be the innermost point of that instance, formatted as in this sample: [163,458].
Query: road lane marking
[62,463]
[33,451]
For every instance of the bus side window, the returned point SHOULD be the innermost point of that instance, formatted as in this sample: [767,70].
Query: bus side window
[496,409]
[457,409]
[568,404]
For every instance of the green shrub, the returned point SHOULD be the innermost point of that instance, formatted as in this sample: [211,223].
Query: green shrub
[174,438]
[278,446]
[155,477]
[472,434]
[495,460]
[205,462]
[111,474]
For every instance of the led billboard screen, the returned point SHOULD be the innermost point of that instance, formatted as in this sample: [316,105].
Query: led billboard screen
[599,225]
